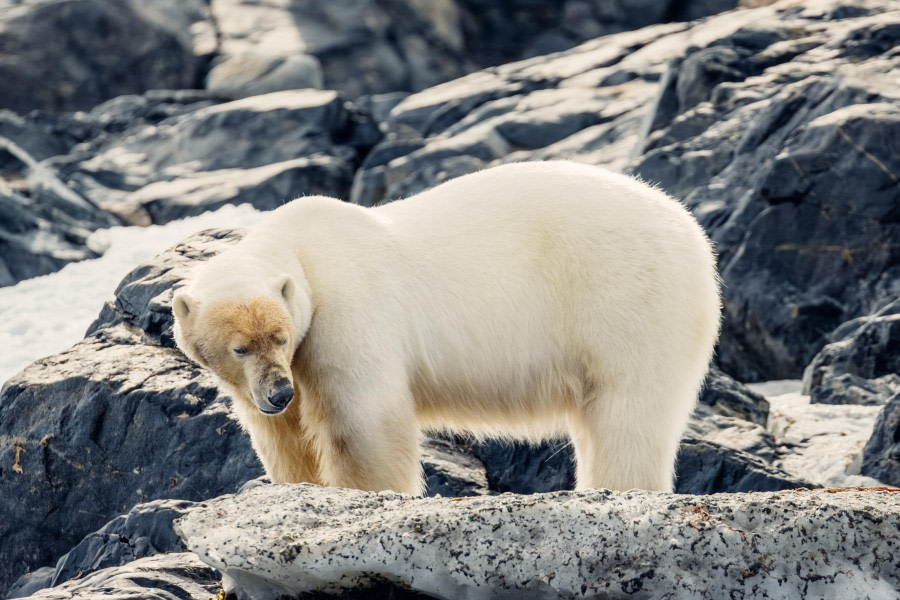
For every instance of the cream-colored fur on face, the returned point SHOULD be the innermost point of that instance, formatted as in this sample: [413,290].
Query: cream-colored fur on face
[527,301]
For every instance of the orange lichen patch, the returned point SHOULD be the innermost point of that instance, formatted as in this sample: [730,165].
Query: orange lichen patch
[17,464]
[701,519]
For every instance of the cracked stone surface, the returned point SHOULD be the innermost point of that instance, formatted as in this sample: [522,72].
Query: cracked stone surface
[287,540]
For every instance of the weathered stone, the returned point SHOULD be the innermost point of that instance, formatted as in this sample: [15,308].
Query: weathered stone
[451,470]
[283,540]
[881,457]
[145,531]
[252,74]
[730,398]
[110,49]
[862,365]
[162,577]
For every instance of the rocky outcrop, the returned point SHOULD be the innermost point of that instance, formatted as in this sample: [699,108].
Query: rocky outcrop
[161,577]
[767,123]
[146,530]
[881,457]
[263,150]
[110,49]
[862,365]
[287,540]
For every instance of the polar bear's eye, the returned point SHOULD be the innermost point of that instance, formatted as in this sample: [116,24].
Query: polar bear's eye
[282,341]
[239,351]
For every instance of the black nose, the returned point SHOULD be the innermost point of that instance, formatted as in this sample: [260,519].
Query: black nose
[282,393]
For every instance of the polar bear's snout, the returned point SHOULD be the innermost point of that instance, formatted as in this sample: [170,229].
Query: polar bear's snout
[280,395]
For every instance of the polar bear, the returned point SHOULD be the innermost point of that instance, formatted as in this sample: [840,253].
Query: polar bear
[527,301]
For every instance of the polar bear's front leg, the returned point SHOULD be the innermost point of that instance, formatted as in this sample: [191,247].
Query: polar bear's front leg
[368,439]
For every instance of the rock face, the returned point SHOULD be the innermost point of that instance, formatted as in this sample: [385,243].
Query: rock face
[161,577]
[767,123]
[263,150]
[110,49]
[145,531]
[116,420]
[281,540]
[862,365]
[881,457]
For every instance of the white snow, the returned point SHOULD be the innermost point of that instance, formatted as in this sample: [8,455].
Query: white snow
[48,314]
[821,443]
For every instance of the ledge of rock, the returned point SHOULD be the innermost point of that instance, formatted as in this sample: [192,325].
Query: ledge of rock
[285,540]
[862,365]
[881,457]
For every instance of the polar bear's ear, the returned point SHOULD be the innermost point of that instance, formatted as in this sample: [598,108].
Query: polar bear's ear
[285,286]
[184,307]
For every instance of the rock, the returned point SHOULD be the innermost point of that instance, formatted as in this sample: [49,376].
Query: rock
[264,150]
[161,577]
[862,365]
[881,457]
[451,471]
[822,443]
[145,531]
[114,421]
[717,113]
[110,49]
[363,46]
[730,398]
[704,467]
[243,75]
[523,468]
[731,432]
[43,224]
[280,540]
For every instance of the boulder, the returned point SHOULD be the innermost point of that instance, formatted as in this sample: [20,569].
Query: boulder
[862,364]
[161,577]
[119,419]
[881,457]
[44,225]
[146,530]
[286,540]
[264,150]
[376,46]
[110,49]
[767,122]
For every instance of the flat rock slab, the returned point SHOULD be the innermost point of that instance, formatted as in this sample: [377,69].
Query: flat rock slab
[292,539]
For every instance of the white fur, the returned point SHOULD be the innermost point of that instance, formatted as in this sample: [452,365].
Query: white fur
[524,301]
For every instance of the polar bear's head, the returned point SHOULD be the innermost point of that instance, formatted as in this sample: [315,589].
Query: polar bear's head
[247,341]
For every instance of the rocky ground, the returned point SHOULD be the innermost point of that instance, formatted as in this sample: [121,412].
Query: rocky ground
[777,124]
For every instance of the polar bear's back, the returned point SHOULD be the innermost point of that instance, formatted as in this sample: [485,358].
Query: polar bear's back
[547,275]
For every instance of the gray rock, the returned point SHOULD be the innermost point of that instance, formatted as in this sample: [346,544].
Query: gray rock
[43,224]
[264,150]
[731,432]
[163,577]
[114,421]
[704,467]
[252,74]
[881,457]
[110,49]
[862,365]
[145,531]
[281,540]
[451,470]
[730,398]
